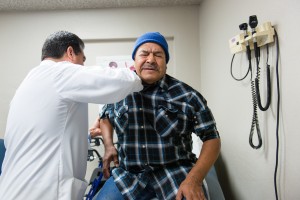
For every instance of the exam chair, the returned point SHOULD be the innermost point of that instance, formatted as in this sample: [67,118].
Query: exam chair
[214,188]
[2,152]
[215,191]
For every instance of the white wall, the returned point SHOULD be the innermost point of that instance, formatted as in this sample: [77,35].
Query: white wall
[22,36]
[246,173]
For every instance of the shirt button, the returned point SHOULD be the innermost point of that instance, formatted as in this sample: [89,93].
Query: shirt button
[146,164]
[141,109]
[142,126]
[143,146]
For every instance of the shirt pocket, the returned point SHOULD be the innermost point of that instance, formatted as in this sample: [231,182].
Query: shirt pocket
[121,118]
[166,120]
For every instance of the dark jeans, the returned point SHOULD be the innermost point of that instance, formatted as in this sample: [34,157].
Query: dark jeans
[110,191]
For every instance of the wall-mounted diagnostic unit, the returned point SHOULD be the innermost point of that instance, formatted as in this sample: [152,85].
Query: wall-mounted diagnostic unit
[253,41]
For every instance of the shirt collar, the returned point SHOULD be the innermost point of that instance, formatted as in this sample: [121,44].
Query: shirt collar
[47,62]
[162,83]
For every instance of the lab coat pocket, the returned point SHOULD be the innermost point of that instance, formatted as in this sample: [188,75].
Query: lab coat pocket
[74,189]
[121,117]
[166,120]
[82,185]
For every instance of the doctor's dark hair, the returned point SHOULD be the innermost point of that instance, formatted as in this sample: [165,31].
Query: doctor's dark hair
[57,43]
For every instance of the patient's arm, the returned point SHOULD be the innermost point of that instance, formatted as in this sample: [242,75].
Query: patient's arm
[110,153]
[191,187]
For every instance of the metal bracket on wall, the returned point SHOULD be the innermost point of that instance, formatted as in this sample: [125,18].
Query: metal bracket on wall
[264,35]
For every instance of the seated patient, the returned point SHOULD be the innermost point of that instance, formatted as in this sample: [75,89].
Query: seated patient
[154,156]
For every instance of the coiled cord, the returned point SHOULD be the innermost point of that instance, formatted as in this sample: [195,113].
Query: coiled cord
[255,122]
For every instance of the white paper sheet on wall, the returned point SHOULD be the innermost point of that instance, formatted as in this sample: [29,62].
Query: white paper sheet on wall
[115,61]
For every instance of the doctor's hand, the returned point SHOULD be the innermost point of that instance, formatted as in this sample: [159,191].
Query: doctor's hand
[94,132]
[110,155]
[190,189]
[95,129]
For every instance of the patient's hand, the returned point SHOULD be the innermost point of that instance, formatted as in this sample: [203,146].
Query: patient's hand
[190,189]
[110,155]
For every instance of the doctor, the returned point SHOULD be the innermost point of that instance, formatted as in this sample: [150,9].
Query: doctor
[45,138]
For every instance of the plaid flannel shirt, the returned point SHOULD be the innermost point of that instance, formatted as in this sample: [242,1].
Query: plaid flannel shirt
[154,130]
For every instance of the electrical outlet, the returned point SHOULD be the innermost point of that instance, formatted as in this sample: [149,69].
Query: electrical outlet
[264,35]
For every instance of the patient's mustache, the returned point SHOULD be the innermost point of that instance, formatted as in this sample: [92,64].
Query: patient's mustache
[149,66]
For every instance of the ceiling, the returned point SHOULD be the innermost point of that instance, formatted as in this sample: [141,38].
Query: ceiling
[36,5]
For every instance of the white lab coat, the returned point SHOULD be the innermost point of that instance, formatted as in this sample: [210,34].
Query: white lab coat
[46,132]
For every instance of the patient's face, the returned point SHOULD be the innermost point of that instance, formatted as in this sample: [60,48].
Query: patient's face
[150,62]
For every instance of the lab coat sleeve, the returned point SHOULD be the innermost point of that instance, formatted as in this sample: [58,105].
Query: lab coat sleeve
[98,85]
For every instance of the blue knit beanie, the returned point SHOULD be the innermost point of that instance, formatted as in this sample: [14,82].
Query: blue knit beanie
[154,37]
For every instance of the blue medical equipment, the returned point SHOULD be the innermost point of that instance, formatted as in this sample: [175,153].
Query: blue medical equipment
[2,152]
